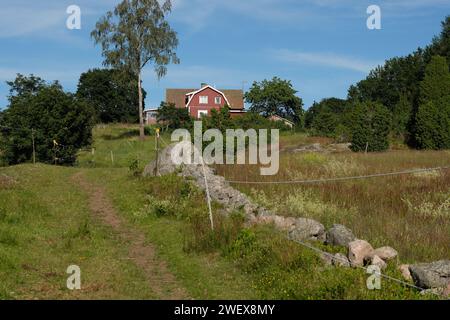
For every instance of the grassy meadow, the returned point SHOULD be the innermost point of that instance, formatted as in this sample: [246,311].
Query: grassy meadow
[46,225]
[408,212]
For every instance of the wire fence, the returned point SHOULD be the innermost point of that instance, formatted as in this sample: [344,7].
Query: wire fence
[322,252]
[338,179]
[311,181]
[344,260]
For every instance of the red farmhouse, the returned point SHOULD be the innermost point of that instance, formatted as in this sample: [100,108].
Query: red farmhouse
[201,101]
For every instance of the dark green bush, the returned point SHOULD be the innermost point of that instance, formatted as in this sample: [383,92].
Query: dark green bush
[47,113]
[370,127]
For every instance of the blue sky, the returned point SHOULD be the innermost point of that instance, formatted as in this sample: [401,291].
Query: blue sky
[322,46]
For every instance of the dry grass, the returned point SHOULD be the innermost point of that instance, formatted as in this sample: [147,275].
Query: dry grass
[409,212]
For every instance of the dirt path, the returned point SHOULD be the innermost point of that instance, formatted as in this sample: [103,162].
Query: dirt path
[161,281]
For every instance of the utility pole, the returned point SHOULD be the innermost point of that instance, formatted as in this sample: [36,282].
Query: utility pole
[34,148]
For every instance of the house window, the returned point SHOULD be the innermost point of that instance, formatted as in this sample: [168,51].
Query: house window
[218,100]
[202,113]
[204,99]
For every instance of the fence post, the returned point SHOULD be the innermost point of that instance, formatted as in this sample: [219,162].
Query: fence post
[208,197]
[54,151]
[34,148]
[157,151]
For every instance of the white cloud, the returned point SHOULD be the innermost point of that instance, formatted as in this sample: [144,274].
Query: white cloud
[45,18]
[199,13]
[18,21]
[325,59]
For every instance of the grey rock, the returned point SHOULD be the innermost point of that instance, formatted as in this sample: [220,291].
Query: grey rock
[386,253]
[327,259]
[315,147]
[306,229]
[431,275]
[434,292]
[339,147]
[339,235]
[340,260]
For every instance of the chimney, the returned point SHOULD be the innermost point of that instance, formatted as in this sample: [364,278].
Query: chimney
[204,84]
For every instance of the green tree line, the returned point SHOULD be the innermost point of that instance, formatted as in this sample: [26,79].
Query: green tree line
[411,93]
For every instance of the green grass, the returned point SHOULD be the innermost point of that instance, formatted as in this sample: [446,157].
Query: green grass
[117,146]
[205,275]
[408,212]
[45,225]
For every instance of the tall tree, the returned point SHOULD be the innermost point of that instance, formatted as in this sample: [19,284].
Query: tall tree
[112,93]
[432,121]
[441,44]
[135,34]
[401,116]
[325,116]
[275,97]
[370,127]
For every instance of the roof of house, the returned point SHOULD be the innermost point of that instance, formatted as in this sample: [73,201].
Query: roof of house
[178,97]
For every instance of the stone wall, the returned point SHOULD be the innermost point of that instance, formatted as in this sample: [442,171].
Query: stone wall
[359,252]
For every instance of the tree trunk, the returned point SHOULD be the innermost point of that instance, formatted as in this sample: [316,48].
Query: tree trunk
[141,111]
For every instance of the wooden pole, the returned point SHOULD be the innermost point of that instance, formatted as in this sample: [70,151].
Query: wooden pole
[157,151]
[54,151]
[34,148]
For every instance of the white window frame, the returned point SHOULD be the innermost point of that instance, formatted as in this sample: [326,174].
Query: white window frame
[218,100]
[201,113]
[203,99]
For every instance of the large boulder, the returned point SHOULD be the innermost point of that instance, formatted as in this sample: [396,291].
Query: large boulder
[358,250]
[165,163]
[306,229]
[386,253]
[280,222]
[315,147]
[219,188]
[339,235]
[431,275]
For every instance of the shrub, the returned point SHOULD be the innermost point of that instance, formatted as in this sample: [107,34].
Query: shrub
[112,93]
[134,168]
[432,120]
[173,118]
[50,115]
[370,127]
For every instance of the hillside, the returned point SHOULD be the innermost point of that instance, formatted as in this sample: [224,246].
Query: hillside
[149,237]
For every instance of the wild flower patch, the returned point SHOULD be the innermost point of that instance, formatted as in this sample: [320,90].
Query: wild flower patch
[430,209]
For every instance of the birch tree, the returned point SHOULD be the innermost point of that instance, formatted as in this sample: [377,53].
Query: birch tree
[135,34]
